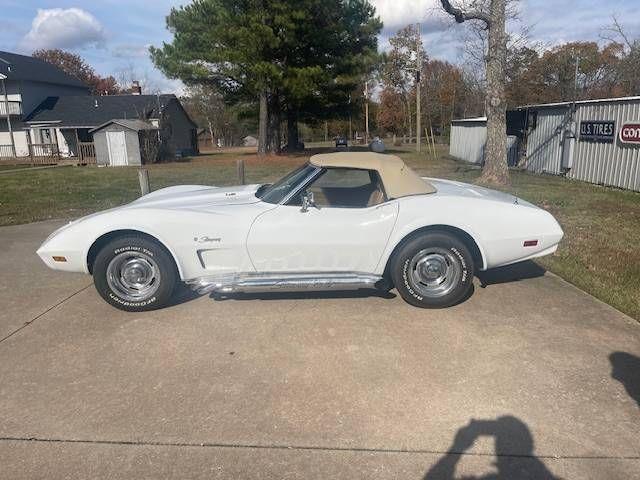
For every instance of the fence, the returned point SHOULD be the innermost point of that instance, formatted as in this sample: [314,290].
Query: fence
[6,152]
[86,153]
[44,153]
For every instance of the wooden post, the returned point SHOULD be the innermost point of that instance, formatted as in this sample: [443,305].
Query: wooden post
[240,171]
[433,141]
[78,152]
[55,137]
[30,147]
[143,178]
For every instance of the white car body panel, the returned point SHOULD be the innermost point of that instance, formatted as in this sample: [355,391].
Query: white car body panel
[211,231]
[321,240]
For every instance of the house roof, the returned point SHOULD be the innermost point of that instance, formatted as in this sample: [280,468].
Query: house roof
[22,67]
[135,125]
[88,111]
[398,179]
[469,120]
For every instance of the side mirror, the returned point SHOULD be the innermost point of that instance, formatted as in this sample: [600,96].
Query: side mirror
[307,201]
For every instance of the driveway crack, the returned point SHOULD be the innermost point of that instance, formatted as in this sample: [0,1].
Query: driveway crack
[29,322]
[143,443]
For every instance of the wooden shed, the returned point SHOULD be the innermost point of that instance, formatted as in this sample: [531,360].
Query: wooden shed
[123,142]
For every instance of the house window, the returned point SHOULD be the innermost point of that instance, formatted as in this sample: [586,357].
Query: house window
[45,136]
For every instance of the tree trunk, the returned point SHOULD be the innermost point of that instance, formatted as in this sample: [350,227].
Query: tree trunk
[495,171]
[263,121]
[210,132]
[273,134]
[292,131]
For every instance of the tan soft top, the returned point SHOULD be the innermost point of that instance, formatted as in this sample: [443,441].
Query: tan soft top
[398,179]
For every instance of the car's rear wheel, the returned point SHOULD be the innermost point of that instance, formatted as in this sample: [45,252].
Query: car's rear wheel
[134,273]
[433,270]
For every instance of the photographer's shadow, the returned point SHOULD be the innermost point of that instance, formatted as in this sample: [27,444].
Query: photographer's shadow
[513,451]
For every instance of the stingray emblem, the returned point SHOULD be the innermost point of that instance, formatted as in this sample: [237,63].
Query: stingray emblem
[206,239]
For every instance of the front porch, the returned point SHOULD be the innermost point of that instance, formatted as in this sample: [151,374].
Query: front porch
[48,145]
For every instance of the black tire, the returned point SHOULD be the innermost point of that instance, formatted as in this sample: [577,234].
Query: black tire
[433,270]
[139,260]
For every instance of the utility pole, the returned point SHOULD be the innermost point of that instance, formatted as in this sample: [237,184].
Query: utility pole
[366,111]
[418,73]
[575,81]
[8,114]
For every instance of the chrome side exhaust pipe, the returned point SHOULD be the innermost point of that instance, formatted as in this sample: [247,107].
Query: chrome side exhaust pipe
[289,282]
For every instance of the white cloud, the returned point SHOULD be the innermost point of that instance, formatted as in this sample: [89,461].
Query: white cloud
[396,14]
[130,50]
[63,28]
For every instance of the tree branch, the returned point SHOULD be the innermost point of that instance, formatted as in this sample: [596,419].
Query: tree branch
[462,16]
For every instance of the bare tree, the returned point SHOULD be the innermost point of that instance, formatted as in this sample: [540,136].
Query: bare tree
[493,18]
[130,73]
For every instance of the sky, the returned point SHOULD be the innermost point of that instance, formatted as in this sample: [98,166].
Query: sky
[114,35]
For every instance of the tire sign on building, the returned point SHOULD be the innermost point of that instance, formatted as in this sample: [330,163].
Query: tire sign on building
[598,130]
[630,133]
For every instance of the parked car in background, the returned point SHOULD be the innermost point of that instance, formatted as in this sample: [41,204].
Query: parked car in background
[341,142]
[341,221]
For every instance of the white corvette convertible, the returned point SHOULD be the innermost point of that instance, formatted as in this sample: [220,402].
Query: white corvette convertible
[341,221]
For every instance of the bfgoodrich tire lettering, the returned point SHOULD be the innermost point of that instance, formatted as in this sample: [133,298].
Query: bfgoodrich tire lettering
[134,273]
[433,270]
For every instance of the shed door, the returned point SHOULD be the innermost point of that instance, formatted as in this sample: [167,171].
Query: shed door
[117,149]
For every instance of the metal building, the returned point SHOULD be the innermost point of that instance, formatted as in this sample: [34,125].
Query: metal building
[468,140]
[591,140]
[596,141]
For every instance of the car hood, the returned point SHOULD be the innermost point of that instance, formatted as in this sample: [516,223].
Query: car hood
[466,190]
[194,196]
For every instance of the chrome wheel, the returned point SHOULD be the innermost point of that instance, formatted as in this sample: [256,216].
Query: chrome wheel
[434,272]
[133,276]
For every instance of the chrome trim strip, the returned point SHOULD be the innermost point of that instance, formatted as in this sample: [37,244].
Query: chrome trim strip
[286,282]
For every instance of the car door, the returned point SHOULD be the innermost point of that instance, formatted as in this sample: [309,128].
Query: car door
[345,232]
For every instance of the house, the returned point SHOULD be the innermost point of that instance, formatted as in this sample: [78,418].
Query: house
[25,82]
[250,141]
[69,120]
[48,115]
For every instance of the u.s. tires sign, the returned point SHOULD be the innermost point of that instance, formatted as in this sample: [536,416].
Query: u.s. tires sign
[630,133]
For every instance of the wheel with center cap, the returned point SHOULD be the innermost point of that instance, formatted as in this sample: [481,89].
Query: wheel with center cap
[134,273]
[433,270]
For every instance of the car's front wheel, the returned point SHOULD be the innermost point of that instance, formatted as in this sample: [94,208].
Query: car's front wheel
[433,270]
[134,273]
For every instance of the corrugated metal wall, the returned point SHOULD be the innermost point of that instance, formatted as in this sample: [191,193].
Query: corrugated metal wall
[613,164]
[512,150]
[544,147]
[468,140]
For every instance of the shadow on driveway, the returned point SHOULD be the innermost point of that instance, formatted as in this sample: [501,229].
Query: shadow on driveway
[625,368]
[511,273]
[513,451]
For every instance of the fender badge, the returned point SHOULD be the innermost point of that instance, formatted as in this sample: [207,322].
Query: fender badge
[206,239]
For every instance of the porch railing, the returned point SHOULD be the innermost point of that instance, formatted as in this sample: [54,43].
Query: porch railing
[15,108]
[6,151]
[86,152]
[44,153]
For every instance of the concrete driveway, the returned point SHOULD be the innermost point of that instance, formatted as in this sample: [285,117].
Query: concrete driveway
[516,381]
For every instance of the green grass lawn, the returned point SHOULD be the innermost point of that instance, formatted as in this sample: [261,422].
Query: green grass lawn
[600,251]
[4,167]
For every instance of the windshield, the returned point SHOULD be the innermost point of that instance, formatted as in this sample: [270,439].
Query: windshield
[278,191]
